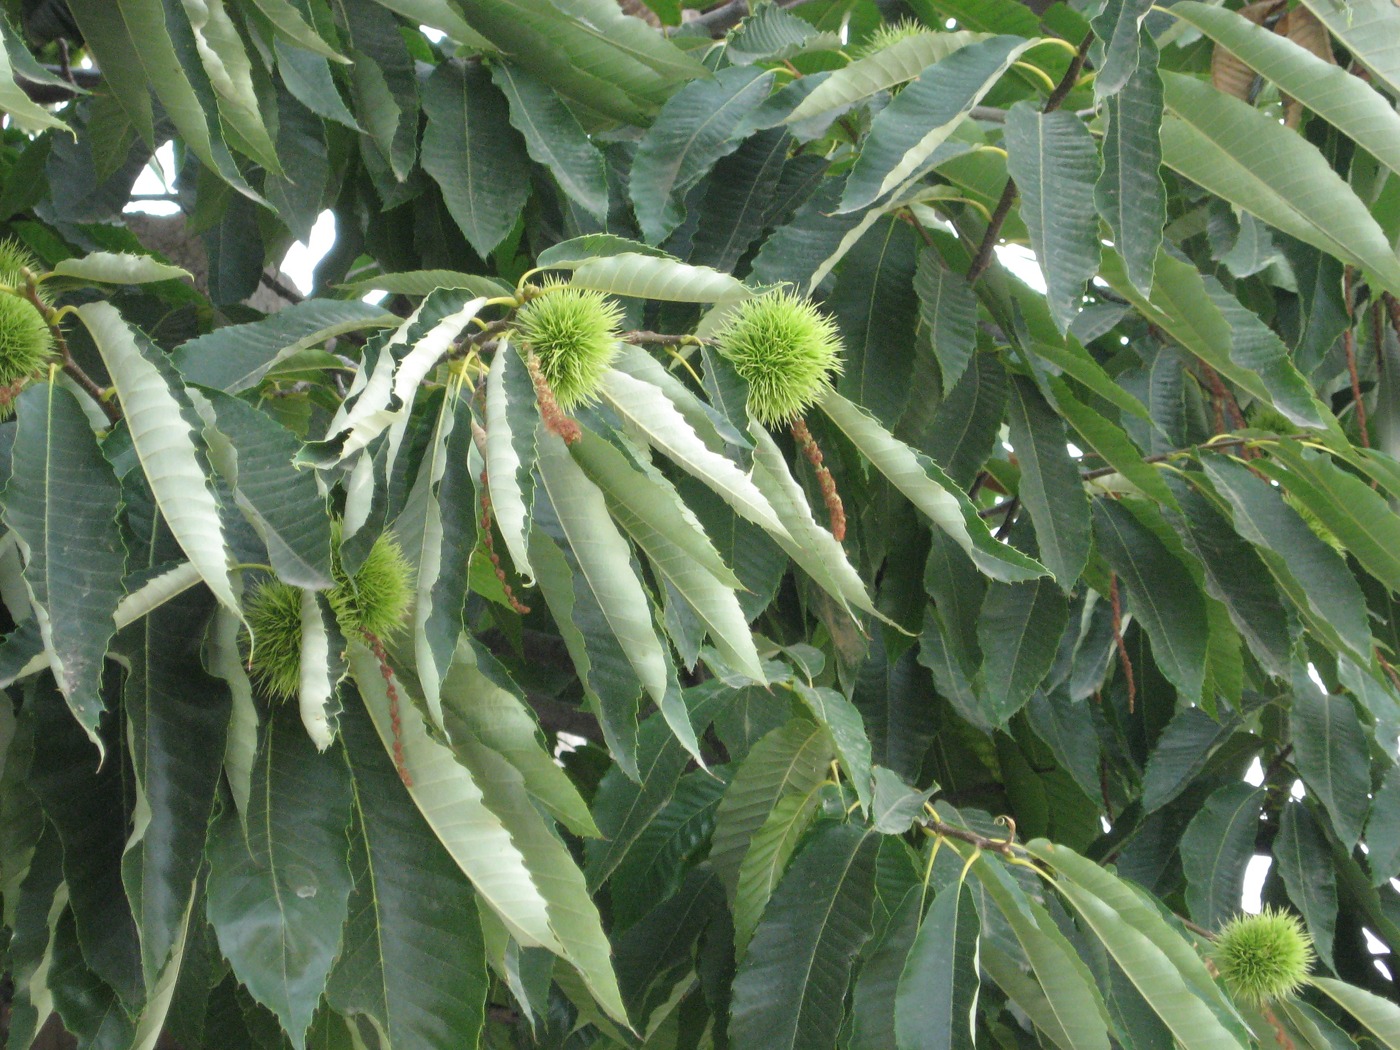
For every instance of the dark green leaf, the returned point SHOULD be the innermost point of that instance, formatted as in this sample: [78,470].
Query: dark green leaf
[1018,631]
[1215,850]
[948,309]
[1050,485]
[1329,749]
[1305,863]
[1129,194]
[935,1008]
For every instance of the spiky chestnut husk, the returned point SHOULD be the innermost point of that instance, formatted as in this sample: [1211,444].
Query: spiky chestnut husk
[573,333]
[26,342]
[785,349]
[1263,957]
[891,33]
[378,597]
[273,610]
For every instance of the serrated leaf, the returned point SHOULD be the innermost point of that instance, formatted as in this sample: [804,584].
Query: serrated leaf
[821,911]
[1119,26]
[451,802]
[1329,748]
[651,512]
[699,124]
[293,27]
[1367,28]
[948,309]
[606,563]
[1162,966]
[1159,592]
[1243,155]
[936,1005]
[1130,195]
[413,959]
[1018,632]
[236,357]
[772,34]
[225,60]
[322,667]
[901,61]
[422,282]
[116,268]
[1215,848]
[255,456]
[904,135]
[62,500]
[170,701]
[1340,98]
[13,100]
[842,720]
[153,404]
[588,51]
[510,452]
[930,490]
[278,898]
[1055,163]
[1308,571]
[1050,486]
[1380,1016]
[653,277]
[473,154]
[769,850]
[554,138]
[1305,864]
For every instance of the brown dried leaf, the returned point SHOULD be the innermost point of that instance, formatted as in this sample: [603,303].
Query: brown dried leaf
[1227,72]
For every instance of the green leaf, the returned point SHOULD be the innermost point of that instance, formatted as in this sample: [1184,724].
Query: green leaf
[1353,511]
[605,560]
[13,100]
[384,83]
[322,668]
[1236,575]
[554,138]
[282,503]
[221,52]
[1050,486]
[790,761]
[1073,1013]
[1055,163]
[1305,863]
[588,51]
[653,415]
[1109,442]
[451,802]
[1129,194]
[88,1007]
[278,898]
[651,277]
[1183,749]
[889,67]
[1342,99]
[472,154]
[1119,26]
[936,1005]
[931,491]
[1018,631]
[236,357]
[1367,28]
[654,955]
[807,543]
[1162,966]
[154,405]
[772,34]
[842,720]
[1308,571]
[1383,830]
[1329,751]
[159,43]
[1215,849]
[1380,1016]
[1242,154]
[783,1000]
[904,135]
[699,124]
[116,268]
[413,959]
[476,701]
[873,999]
[1160,594]
[62,500]
[421,282]
[170,701]
[948,309]
[767,856]
[510,452]
[293,27]
[651,512]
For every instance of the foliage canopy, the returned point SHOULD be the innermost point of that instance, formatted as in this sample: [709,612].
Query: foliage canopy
[537,637]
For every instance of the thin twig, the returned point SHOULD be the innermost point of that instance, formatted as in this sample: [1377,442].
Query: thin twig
[661,339]
[1010,518]
[982,842]
[1119,643]
[983,258]
[1349,346]
[70,366]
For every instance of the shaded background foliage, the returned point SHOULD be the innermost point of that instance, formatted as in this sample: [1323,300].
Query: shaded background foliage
[1152,621]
